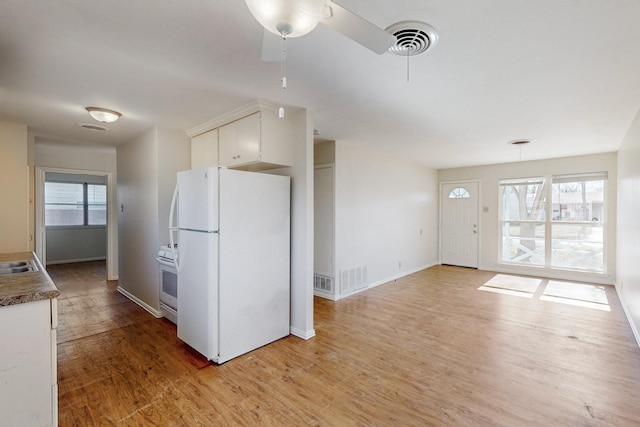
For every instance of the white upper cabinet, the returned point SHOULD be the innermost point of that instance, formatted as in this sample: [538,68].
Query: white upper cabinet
[251,138]
[256,142]
[204,150]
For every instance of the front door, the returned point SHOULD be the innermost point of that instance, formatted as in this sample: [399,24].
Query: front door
[459,226]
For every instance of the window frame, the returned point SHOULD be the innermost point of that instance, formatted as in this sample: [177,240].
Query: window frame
[548,182]
[85,204]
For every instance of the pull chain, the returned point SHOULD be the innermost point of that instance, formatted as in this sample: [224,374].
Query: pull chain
[283,72]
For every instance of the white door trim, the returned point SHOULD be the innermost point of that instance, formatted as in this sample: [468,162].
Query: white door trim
[461,182]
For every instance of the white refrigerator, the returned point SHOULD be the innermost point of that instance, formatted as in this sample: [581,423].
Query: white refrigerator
[233,266]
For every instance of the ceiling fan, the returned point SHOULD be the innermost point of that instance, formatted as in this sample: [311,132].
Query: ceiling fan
[295,18]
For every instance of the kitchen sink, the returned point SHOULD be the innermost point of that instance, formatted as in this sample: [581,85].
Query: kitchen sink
[17,267]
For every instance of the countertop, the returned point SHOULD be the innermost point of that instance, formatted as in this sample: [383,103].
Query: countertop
[25,287]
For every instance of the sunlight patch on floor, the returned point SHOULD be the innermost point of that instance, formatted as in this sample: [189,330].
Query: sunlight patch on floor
[577,294]
[512,285]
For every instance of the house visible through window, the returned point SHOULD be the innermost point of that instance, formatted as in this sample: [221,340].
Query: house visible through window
[71,203]
[567,233]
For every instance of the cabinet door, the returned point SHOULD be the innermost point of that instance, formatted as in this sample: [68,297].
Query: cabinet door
[239,141]
[204,150]
[227,142]
[248,139]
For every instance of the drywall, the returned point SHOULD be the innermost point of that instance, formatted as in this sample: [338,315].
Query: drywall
[386,215]
[301,174]
[147,168]
[628,254]
[53,155]
[489,231]
[324,152]
[76,244]
[174,155]
[14,191]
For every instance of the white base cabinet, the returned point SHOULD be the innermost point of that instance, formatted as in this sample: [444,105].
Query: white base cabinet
[28,360]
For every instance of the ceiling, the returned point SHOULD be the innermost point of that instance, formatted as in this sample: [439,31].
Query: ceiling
[564,73]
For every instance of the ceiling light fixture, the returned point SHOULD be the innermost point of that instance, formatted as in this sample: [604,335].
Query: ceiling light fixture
[103,115]
[287,18]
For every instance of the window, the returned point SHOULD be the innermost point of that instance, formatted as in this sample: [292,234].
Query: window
[459,193]
[70,203]
[560,225]
[577,232]
[523,221]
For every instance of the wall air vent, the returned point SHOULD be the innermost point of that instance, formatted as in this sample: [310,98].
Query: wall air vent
[91,126]
[323,283]
[412,37]
[353,279]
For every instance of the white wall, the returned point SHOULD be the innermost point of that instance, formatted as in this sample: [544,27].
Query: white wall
[301,174]
[63,156]
[138,217]
[147,168]
[489,177]
[14,191]
[628,254]
[174,155]
[386,214]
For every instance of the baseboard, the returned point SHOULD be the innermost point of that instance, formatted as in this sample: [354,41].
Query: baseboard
[70,261]
[325,295]
[153,311]
[387,280]
[623,303]
[305,335]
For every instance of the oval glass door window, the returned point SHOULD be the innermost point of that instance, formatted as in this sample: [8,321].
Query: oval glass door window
[459,193]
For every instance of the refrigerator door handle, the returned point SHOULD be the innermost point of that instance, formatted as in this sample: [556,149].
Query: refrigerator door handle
[173,229]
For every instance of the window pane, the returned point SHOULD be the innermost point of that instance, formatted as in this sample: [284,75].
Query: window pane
[578,201]
[97,204]
[523,242]
[524,201]
[459,193]
[577,246]
[63,203]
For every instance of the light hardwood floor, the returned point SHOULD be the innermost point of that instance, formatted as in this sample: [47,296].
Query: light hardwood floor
[428,349]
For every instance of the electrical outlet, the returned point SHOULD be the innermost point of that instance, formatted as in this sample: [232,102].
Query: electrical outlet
[399,264]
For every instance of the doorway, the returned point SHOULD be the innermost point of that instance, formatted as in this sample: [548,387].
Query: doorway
[324,224]
[459,227]
[40,210]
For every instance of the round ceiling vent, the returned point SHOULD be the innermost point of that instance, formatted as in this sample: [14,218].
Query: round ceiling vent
[412,37]
[91,126]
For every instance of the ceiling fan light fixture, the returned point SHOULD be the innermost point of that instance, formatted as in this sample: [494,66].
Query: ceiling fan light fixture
[287,18]
[103,115]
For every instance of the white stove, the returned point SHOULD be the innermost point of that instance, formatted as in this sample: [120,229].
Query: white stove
[168,283]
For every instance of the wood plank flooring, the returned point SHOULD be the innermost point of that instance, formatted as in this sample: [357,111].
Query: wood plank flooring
[427,349]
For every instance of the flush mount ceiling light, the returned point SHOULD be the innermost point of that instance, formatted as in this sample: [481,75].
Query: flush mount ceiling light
[103,115]
[287,18]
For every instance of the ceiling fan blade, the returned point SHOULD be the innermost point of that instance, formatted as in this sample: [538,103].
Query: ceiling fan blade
[358,29]
[271,47]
